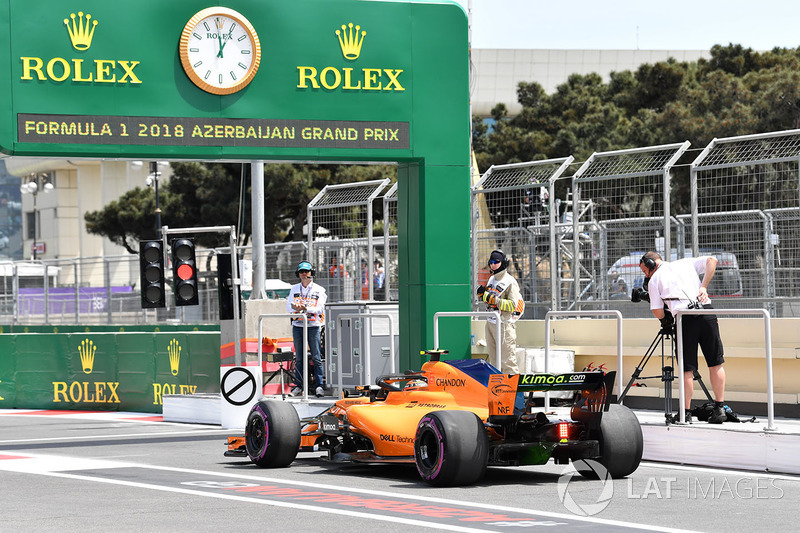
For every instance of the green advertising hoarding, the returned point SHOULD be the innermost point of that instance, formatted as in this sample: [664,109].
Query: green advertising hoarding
[314,80]
[105,371]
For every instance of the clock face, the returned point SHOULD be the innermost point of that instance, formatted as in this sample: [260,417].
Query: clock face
[219,50]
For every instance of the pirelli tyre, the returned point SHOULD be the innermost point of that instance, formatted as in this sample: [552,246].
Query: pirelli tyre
[272,434]
[621,444]
[451,448]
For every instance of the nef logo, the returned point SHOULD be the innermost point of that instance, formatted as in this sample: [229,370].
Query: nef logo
[351,39]
[81,32]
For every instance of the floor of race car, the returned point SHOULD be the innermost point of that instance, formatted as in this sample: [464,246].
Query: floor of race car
[747,445]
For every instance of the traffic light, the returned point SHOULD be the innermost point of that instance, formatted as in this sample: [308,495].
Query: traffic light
[151,268]
[225,283]
[184,272]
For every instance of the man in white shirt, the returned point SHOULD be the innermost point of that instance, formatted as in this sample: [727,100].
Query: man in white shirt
[677,284]
[307,298]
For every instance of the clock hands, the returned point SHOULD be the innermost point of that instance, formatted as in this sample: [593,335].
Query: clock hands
[219,38]
[222,44]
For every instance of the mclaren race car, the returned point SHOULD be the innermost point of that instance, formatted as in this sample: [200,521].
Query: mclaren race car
[452,419]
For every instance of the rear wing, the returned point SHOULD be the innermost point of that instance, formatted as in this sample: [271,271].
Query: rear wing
[594,389]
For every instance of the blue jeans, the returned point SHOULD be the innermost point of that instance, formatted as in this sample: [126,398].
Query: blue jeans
[315,345]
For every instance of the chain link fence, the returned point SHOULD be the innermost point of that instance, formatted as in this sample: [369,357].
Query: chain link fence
[573,239]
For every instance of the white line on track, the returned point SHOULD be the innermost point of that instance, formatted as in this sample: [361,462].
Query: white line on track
[59,466]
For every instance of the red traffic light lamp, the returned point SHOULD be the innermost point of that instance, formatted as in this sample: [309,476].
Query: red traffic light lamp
[184,272]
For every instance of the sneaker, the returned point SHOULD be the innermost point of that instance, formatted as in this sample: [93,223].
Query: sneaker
[320,392]
[718,415]
[297,391]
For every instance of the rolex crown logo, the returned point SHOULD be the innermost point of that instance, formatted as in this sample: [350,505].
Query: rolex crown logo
[79,33]
[174,351]
[87,349]
[350,41]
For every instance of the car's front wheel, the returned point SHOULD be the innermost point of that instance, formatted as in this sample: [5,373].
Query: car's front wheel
[451,448]
[272,434]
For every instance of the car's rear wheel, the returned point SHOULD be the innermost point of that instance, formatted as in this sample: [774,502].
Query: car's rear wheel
[272,434]
[451,448]
[621,444]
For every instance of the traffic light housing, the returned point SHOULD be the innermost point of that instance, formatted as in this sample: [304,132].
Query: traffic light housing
[225,284]
[151,269]
[184,272]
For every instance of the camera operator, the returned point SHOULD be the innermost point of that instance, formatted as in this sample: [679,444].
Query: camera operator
[677,284]
[502,294]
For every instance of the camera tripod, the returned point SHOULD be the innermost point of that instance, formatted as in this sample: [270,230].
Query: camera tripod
[667,370]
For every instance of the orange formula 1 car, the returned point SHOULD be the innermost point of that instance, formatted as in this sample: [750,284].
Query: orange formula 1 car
[452,419]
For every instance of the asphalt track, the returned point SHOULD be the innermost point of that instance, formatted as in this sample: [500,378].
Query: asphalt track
[67,471]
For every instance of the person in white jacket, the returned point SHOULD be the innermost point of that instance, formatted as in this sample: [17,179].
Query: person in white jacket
[307,298]
[502,294]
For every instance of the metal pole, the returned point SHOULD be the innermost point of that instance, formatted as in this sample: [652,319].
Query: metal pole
[257,219]
[767,346]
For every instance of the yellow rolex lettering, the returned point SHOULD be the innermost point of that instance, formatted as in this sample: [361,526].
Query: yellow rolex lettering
[128,67]
[104,68]
[306,74]
[393,74]
[78,69]
[99,392]
[348,72]
[371,77]
[66,70]
[156,394]
[60,391]
[112,389]
[337,77]
[32,64]
[75,392]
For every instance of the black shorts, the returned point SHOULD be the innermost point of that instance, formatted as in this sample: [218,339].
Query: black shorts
[702,330]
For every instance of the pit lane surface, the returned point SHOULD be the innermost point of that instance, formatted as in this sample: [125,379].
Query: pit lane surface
[129,472]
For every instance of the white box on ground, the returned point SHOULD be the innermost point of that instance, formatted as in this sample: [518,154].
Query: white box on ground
[560,361]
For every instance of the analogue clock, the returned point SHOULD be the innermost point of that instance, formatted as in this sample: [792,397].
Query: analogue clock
[219,50]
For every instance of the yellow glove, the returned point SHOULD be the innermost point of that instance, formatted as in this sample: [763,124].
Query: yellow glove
[488,297]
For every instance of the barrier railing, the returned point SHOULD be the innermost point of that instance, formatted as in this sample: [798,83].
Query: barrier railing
[550,314]
[293,316]
[476,314]
[767,345]
[367,355]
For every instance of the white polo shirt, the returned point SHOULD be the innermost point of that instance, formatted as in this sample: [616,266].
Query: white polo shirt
[677,283]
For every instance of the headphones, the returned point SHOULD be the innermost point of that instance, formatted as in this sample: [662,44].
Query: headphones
[304,265]
[649,264]
[504,261]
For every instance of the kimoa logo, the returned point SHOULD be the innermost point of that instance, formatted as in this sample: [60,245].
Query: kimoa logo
[81,32]
[174,351]
[351,39]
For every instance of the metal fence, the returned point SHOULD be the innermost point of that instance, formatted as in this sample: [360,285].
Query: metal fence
[573,239]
